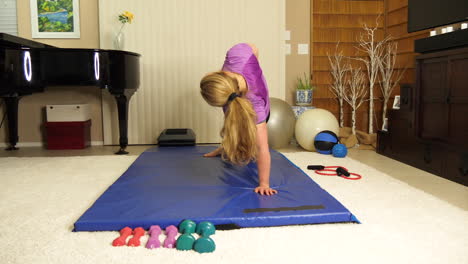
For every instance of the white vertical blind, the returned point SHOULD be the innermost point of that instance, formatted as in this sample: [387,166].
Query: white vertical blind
[180,41]
[8,21]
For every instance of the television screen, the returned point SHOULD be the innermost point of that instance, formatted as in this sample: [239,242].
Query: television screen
[424,14]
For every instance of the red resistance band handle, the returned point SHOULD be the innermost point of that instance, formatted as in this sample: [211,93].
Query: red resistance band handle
[337,171]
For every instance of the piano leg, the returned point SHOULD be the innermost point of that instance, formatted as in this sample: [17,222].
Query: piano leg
[122,107]
[11,104]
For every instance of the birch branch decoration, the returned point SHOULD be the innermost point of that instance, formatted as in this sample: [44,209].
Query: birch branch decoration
[338,72]
[374,50]
[355,93]
[390,76]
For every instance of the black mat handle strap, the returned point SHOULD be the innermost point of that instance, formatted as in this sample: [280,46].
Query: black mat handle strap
[282,209]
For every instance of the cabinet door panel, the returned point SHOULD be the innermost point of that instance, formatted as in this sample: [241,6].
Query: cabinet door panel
[434,121]
[433,108]
[458,125]
[458,100]
[433,80]
[459,77]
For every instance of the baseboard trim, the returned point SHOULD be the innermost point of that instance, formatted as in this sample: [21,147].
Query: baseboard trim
[42,144]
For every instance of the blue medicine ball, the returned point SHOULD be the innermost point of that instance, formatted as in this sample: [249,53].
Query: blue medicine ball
[339,151]
[325,141]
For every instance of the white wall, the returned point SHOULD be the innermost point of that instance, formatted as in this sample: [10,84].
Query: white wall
[180,41]
[8,21]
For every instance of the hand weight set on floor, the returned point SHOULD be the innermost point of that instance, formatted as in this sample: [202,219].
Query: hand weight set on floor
[187,241]
[153,241]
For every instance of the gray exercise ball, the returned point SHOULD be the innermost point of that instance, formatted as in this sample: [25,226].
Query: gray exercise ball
[281,123]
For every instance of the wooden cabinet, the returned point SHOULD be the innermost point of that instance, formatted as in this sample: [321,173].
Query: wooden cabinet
[432,134]
[442,96]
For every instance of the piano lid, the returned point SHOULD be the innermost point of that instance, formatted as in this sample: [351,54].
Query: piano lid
[7,40]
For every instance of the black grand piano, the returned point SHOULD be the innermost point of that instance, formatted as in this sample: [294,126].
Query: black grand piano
[28,67]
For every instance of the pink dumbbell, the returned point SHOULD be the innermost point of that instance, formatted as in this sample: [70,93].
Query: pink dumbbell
[171,233]
[153,241]
[137,234]
[121,240]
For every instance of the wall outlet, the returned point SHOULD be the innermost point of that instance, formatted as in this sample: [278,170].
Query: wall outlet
[288,49]
[302,49]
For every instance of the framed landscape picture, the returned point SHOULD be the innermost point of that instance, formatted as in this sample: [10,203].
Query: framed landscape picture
[55,18]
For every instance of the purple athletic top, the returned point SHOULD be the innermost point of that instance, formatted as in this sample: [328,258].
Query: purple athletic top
[241,59]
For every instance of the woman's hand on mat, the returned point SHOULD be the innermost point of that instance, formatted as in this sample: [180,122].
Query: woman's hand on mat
[213,153]
[265,190]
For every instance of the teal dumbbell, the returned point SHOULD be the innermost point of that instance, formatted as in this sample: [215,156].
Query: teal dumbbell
[187,227]
[186,240]
[205,244]
[205,229]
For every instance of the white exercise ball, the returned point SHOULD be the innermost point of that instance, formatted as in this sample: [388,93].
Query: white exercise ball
[281,123]
[312,122]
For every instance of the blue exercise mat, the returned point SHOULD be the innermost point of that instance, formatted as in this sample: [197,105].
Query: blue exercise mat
[166,185]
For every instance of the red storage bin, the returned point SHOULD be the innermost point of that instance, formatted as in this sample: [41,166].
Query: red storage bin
[68,135]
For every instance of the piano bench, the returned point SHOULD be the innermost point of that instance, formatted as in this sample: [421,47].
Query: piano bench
[68,135]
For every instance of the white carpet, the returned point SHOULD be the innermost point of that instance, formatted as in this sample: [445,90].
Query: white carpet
[41,198]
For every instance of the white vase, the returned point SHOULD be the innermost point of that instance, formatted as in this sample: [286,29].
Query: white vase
[119,40]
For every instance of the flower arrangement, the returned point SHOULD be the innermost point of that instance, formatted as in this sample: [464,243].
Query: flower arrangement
[124,18]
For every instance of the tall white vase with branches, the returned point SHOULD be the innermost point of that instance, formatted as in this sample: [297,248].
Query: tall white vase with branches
[374,50]
[390,76]
[338,71]
[355,93]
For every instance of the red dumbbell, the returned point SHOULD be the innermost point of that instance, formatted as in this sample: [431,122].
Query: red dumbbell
[121,240]
[135,240]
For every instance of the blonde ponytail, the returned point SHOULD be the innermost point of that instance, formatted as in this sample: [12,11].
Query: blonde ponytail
[239,133]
